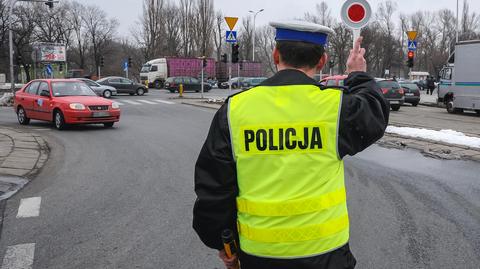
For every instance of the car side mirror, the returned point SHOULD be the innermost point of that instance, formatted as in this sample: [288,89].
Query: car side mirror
[45,93]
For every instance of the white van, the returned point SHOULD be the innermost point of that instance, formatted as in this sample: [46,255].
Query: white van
[459,87]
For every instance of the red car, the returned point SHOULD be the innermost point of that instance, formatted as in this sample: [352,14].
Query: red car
[64,102]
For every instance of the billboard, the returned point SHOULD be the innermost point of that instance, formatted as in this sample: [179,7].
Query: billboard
[50,53]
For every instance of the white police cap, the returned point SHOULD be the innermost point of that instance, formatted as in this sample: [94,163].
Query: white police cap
[301,31]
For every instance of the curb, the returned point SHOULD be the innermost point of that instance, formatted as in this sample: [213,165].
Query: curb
[22,156]
[211,106]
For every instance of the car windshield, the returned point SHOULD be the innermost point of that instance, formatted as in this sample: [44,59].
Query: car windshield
[71,89]
[410,86]
[389,84]
[145,68]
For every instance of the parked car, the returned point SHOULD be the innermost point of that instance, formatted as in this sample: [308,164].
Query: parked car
[252,82]
[64,102]
[100,90]
[412,92]
[124,85]
[392,91]
[237,83]
[189,84]
[422,84]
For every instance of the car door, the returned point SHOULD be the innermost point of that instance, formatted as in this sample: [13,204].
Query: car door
[117,83]
[42,104]
[128,85]
[94,86]
[27,98]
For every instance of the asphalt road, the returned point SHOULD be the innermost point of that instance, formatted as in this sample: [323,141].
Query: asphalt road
[122,198]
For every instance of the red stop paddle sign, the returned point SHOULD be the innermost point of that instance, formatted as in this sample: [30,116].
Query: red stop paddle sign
[356,13]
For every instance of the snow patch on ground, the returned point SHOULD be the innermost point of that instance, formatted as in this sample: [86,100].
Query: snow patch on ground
[446,136]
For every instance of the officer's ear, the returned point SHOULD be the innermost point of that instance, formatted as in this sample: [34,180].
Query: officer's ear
[323,60]
[276,56]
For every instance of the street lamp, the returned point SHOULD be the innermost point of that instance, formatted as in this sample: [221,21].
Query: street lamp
[254,18]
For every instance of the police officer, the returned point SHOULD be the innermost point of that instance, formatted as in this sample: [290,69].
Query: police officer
[271,168]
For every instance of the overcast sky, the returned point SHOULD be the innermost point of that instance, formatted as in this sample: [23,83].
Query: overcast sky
[128,11]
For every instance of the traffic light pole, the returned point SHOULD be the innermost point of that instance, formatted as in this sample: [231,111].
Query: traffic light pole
[203,74]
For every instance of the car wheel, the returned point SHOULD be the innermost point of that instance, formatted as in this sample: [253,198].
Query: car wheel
[234,86]
[478,112]
[22,116]
[132,94]
[172,91]
[59,120]
[107,94]
[158,84]
[108,124]
[140,91]
[395,107]
[414,104]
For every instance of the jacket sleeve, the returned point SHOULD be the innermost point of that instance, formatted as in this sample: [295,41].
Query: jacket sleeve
[364,114]
[215,184]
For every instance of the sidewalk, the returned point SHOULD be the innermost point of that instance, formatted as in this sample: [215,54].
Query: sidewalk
[22,155]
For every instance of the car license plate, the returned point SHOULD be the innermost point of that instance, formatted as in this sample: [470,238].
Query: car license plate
[409,94]
[101,114]
[394,102]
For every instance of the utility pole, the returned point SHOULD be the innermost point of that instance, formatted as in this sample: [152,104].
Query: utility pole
[253,32]
[49,3]
[456,26]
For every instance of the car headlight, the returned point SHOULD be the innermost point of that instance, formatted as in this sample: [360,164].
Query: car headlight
[77,106]
[115,105]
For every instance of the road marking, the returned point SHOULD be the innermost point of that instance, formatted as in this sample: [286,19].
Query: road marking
[132,102]
[120,104]
[29,207]
[147,102]
[19,257]
[164,102]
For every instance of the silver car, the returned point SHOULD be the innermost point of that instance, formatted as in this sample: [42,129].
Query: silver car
[100,90]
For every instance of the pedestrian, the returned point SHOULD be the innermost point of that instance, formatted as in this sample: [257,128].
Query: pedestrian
[271,168]
[430,85]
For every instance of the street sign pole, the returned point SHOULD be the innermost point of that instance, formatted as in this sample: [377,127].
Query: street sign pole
[230,73]
[231,22]
[203,72]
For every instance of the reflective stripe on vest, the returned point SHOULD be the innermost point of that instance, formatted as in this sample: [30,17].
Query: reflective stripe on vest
[292,200]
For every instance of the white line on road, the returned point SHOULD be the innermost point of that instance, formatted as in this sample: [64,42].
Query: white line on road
[120,104]
[19,257]
[164,102]
[29,207]
[131,102]
[147,102]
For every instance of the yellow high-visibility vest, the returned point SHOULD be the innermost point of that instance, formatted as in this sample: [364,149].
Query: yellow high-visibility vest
[292,198]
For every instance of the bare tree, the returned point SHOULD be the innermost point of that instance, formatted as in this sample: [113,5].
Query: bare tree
[203,28]
[322,16]
[75,18]
[246,38]
[100,32]
[150,35]
[266,44]
[219,34]
[186,15]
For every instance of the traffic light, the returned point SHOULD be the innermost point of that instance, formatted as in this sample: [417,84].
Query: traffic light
[129,62]
[102,61]
[241,65]
[411,58]
[60,67]
[19,59]
[49,3]
[224,58]
[235,53]
[204,62]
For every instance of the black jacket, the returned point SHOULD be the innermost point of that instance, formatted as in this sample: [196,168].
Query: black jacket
[363,119]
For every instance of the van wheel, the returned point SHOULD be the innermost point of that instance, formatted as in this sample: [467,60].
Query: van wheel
[22,116]
[451,109]
[59,120]
[395,107]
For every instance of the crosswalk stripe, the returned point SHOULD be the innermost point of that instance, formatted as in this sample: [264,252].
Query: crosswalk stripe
[164,102]
[147,102]
[19,257]
[29,207]
[119,103]
[131,102]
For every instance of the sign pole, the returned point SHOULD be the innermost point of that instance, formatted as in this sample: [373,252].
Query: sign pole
[230,73]
[203,72]
[355,15]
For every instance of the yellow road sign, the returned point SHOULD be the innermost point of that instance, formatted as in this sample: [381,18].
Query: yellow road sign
[231,21]
[412,35]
